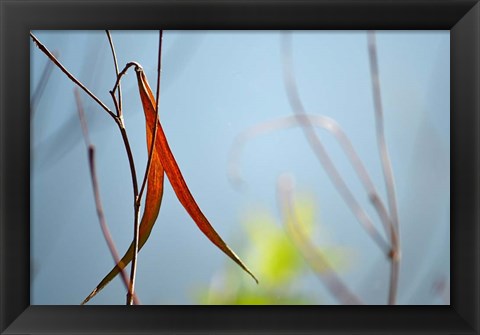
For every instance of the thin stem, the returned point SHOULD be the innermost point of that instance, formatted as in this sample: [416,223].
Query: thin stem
[386,166]
[115,62]
[119,119]
[319,150]
[159,68]
[117,107]
[96,193]
[136,206]
[131,161]
[147,169]
[136,202]
[136,198]
[69,75]
[122,73]
[312,255]
[133,269]
[152,145]
[394,256]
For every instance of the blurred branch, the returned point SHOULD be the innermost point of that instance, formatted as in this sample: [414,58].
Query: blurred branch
[387,168]
[96,193]
[297,106]
[319,150]
[312,255]
[318,121]
[42,83]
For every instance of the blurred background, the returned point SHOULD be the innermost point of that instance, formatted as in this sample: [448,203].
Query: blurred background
[214,86]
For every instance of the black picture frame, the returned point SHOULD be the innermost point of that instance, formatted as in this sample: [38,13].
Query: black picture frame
[18,17]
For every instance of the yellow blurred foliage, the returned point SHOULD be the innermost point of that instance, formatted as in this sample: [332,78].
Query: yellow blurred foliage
[272,254]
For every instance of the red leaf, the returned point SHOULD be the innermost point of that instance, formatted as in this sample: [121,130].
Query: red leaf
[175,176]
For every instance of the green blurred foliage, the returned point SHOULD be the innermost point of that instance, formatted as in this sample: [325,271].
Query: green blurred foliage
[276,261]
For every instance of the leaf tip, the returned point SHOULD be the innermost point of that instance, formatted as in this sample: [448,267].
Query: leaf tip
[247,270]
[90,296]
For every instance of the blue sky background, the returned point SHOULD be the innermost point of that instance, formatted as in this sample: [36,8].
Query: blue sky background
[215,84]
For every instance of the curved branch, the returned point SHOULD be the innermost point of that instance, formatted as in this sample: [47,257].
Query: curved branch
[312,255]
[386,167]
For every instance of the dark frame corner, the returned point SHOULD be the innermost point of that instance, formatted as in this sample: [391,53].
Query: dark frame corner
[461,17]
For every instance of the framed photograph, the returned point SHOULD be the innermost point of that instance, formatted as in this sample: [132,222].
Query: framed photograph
[250,167]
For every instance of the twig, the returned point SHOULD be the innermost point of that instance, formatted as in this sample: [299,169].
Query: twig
[115,62]
[319,150]
[122,73]
[136,198]
[152,145]
[96,193]
[311,254]
[386,166]
[69,75]
[147,169]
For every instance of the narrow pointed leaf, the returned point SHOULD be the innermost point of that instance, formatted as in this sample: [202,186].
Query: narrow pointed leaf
[153,201]
[176,179]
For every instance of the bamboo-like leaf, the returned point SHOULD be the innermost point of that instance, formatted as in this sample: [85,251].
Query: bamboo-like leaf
[163,161]
[175,176]
[153,200]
